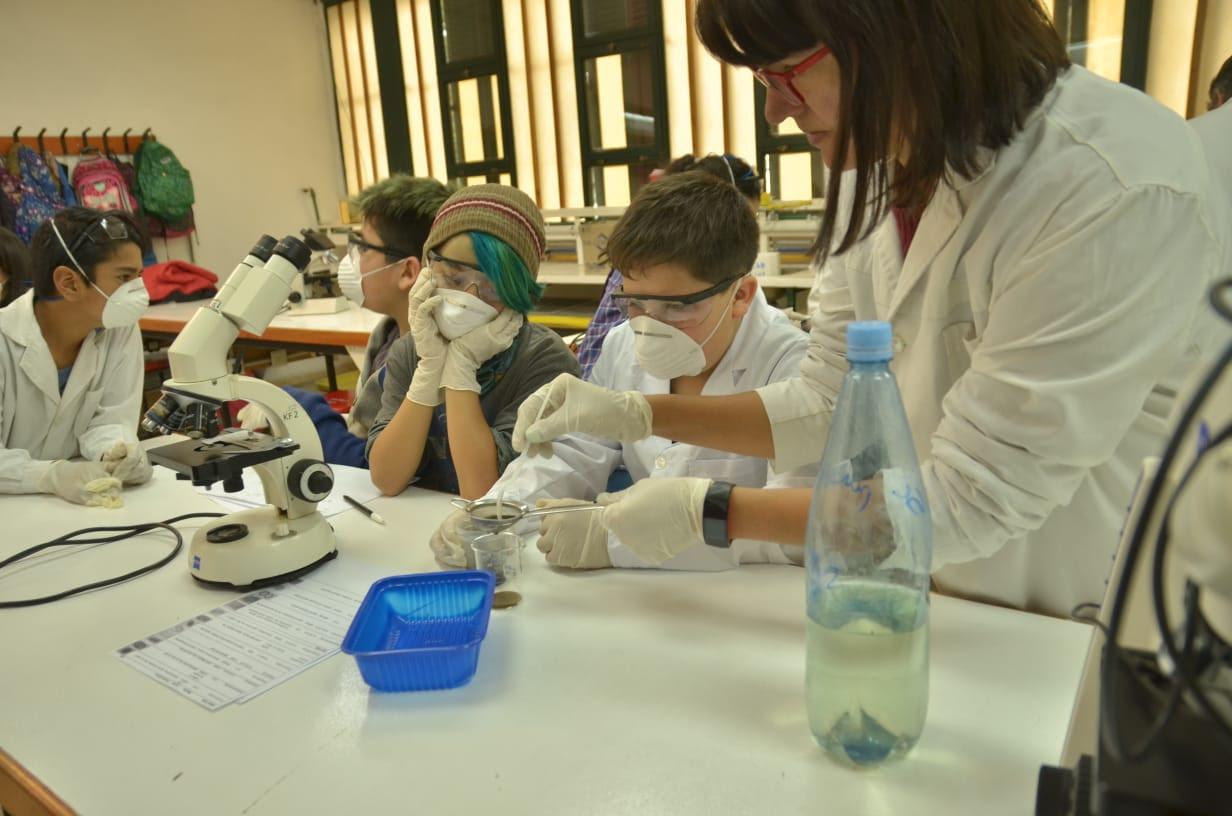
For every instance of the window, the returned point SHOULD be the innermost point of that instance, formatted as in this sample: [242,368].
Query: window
[622,96]
[1109,37]
[474,89]
[789,166]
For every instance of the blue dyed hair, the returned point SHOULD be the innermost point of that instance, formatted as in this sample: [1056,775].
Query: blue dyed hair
[517,289]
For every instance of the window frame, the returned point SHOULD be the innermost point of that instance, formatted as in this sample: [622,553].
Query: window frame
[449,73]
[774,144]
[648,38]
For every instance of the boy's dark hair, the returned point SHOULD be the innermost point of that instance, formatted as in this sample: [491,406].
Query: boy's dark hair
[401,209]
[47,253]
[692,219]
[727,167]
[1222,83]
[954,75]
[15,263]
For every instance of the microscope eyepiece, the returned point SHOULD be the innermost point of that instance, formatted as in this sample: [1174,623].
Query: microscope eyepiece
[264,247]
[295,251]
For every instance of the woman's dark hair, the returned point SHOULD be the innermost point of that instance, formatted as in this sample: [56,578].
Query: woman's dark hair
[727,167]
[15,264]
[948,76]
[47,253]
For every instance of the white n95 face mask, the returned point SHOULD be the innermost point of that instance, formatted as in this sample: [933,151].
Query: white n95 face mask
[664,351]
[351,280]
[461,312]
[125,305]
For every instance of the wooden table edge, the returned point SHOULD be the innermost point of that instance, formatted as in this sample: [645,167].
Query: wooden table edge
[22,794]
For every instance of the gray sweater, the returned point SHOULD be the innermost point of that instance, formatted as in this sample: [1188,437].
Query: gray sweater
[539,356]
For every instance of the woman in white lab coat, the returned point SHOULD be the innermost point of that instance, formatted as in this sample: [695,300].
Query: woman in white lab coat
[1041,240]
[71,365]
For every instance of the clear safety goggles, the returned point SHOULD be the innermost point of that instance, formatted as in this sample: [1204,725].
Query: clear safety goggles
[461,276]
[357,246]
[681,311]
[103,231]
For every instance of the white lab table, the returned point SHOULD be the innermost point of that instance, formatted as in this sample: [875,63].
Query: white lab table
[608,692]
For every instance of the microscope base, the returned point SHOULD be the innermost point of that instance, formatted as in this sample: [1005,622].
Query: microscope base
[243,549]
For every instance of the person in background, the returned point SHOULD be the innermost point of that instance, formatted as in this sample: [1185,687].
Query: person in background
[1221,86]
[608,315]
[14,267]
[698,323]
[71,364]
[1042,241]
[1214,129]
[380,267]
[453,384]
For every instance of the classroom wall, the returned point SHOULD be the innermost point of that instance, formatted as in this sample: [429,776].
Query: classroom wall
[251,116]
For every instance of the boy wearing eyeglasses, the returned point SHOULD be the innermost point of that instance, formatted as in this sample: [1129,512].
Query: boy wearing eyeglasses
[697,323]
[71,364]
[382,263]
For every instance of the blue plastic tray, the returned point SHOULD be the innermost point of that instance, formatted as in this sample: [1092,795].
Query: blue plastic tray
[421,632]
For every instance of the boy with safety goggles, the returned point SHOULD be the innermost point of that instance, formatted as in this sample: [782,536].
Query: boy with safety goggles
[455,381]
[71,364]
[697,323]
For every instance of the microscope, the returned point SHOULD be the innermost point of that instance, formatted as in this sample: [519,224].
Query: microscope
[287,537]
[1165,695]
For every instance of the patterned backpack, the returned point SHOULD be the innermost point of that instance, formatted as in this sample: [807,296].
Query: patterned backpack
[100,186]
[39,198]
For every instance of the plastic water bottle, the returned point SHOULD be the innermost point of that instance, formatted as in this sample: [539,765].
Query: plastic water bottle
[869,547]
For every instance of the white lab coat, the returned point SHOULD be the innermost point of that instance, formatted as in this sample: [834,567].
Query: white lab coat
[1044,317]
[100,405]
[767,348]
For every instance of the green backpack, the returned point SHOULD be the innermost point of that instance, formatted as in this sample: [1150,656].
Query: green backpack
[163,185]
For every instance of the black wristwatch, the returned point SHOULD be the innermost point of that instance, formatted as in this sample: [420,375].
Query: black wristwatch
[714,515]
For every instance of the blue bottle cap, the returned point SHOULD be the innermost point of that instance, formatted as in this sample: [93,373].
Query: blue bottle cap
[869,341]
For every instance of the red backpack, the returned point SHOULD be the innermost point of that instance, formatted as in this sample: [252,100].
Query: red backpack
[100,186]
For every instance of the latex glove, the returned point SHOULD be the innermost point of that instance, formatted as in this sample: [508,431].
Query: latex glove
[468,352]
[657,518]
[451,542]
[127,462]
[573,540]
[568,405]
[86,483]
[252,417]
[430,345]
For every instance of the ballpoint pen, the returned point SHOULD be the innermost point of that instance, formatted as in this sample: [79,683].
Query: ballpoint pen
[372,514]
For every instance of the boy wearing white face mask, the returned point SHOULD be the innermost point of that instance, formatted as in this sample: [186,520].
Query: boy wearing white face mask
[454,384]
[697,323]
[381,265]
[71,367]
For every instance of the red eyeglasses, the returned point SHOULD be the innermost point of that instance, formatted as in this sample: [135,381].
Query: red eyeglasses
[781,81]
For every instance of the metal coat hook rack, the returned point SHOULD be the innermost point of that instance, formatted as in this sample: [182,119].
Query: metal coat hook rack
[66,145]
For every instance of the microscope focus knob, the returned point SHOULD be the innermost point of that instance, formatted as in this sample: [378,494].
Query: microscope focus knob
[310,480]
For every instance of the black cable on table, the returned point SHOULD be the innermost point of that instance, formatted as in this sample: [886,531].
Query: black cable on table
[120,532]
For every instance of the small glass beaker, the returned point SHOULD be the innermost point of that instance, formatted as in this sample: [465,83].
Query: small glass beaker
[501,555]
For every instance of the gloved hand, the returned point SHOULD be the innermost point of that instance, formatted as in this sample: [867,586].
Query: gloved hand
[468,352]
[86,483]
[573,540]
[451,544]
[657,518]
[127,462]
[252,417]
[569,405]
[430,346]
